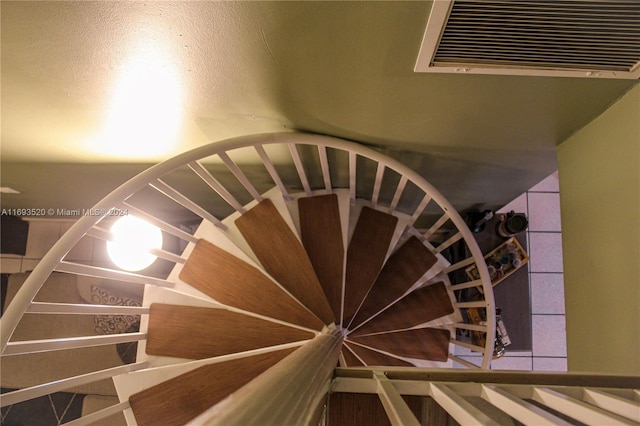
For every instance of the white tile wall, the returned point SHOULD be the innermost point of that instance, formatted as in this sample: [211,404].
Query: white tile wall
[549,336]
[545,252]
[549,184]
[545,291]
[512,363]
[544,211]
[550,364]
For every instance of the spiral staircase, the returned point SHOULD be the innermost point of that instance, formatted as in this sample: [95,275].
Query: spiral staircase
[296,274]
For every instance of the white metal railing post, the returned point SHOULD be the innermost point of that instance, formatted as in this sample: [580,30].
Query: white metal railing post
[290,392]
[324,165]
[613,403]
[459,408]
[581,411]
[396,408]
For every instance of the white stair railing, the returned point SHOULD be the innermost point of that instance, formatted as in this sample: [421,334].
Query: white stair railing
[529,398]
[410,195]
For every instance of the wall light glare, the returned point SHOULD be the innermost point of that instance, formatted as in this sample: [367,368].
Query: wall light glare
[145,115]
[133,238]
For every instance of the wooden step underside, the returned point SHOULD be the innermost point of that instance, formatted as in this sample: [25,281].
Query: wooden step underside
[321,235]
[356,409]
[375,358]
[365,256]
[366,409]
[418,307]
[181,399]
[283,256]
[233,282]
[197,333]
[425,343]
[403,268]
[350,359]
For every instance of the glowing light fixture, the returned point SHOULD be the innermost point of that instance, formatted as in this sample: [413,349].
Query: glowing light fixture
[133,238]
[145,114]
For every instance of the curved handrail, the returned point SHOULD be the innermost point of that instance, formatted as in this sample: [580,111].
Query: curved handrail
[54,257]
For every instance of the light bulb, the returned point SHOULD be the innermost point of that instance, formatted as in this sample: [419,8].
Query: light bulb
[132,240]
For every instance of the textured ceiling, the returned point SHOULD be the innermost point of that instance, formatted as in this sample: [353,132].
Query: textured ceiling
[338,68]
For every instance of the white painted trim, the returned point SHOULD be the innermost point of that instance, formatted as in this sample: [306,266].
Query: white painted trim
[435,26]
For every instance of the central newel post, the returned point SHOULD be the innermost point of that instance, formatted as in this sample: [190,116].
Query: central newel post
[290,392]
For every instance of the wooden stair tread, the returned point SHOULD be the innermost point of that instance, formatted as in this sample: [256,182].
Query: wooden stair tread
[365,256]
[375,358]
[350,358]
[233,282]
[403,268]
[283,256]
[423,343]
[321,235]
[181,399]
[418,307]
[196,333]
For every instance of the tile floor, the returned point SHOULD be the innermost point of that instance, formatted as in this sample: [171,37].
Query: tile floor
[542,206]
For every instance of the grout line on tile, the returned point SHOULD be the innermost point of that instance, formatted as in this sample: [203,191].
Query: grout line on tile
[545,232]
[543,192]
[549,356]
[548,314]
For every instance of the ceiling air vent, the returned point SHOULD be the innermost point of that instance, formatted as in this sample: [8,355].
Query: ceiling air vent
[541,38]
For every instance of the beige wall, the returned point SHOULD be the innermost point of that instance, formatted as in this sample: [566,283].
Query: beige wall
[599,169]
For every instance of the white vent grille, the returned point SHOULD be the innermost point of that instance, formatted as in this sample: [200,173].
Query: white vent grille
[555,38]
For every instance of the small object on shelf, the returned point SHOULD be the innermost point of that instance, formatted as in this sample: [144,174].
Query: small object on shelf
[502,337]
[502,261]
[511,224]
[477,316]
[478,220]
